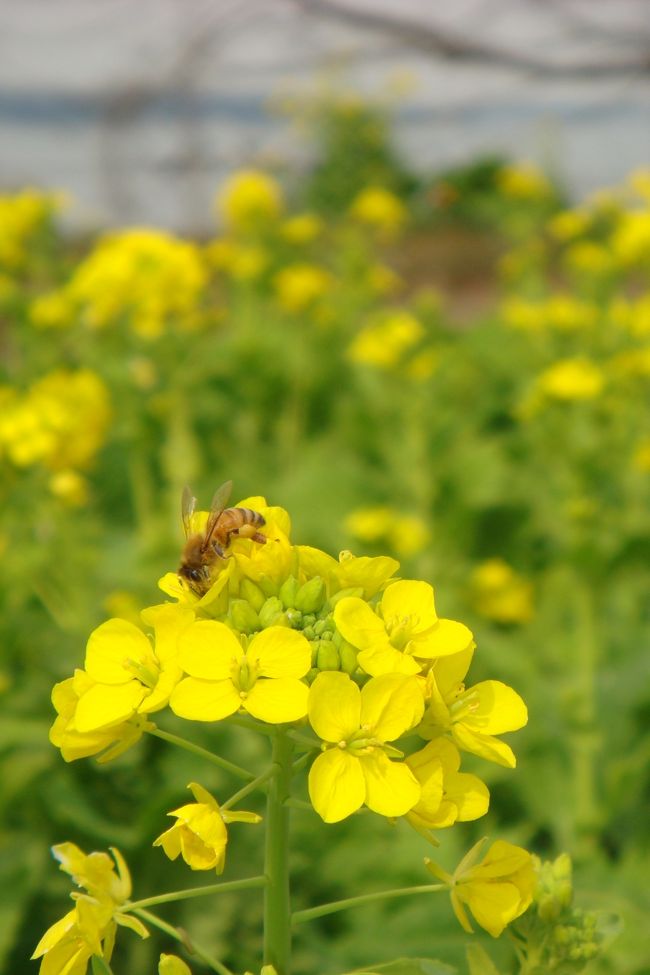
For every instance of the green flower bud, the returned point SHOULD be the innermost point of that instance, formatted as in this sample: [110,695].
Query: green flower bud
[243,617]
[268,586]
[271,613]
[288,593]
[252,594]
[311,596]
[294,618]
[348,655]
[328,656]
[308,632]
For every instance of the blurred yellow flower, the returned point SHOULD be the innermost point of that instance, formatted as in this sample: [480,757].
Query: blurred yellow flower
[641,457]
[52,310]
[639,180]
[630,241]
[297,286]
[569,224]
[382,280]
[588,257]
[241,261]
[499,593]
[302,228]
[380,210]
[571,379]
[23,216]
[146,278]
[523,181]
[405,534]
[249,199]
[383,343]
[70,487]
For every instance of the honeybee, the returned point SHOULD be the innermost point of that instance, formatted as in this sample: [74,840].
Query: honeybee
[202,549]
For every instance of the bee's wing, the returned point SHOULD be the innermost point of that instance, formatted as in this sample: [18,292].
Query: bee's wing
[188,505]
[219,502]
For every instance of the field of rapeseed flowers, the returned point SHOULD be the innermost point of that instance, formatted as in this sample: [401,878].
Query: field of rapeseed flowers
[500,456]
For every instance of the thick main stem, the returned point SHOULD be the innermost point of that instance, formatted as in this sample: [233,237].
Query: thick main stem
[277,905]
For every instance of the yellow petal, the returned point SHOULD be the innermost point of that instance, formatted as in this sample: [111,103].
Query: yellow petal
[336,785]
[202,700]
[391,787]
[104,705]
[334,706]
[445,639]
[110,645]
[391,704]
[55,934]
[280,652]
[277,700]
[370,573]
[160,694]
[449,672]
[387,660]
[499,709]
[493,905]
[470,795]
[207,650]
[412,599]
[358,624]
[484,746]
[168,621]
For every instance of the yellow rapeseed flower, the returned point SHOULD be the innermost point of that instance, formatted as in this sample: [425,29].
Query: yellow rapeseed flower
[630,241]
[447,795]
[199,834]
[571,379]
[302,228]
[379,209]
[384,343]
[523,181]
[249,199]
[299,286]
[499,593]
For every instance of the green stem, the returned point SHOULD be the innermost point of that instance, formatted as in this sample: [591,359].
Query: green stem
[251,787]
[181,936]
[189,746]
[277,905]
[585,735]
[183,895]
[313,912]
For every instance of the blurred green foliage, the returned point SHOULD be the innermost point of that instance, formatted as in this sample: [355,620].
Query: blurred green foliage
[509,463]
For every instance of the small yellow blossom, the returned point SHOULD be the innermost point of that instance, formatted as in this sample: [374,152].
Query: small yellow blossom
[447,795]
[298,286]
[24,217]
[404,632]
[382,280]
[302,228]
[383,343]
[200,834]
[89,929]
[473,716]
[496,890]
[249,199]
[569,224]
[356,727]
[380,210]
[571,379]
[172,965]
[264,680]
[499,593]
[52,310]
[70,487]
[240,261]
[405,534]
[523,181]
[630,241]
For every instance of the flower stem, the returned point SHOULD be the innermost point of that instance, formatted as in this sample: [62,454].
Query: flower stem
[257,783]
[183,895]
[182,937]
[277,905]
[189,746]
[299,917]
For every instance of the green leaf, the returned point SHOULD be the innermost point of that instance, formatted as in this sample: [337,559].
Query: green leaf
[408,966]
[479,961]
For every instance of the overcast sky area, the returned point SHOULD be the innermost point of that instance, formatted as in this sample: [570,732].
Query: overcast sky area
[138,109]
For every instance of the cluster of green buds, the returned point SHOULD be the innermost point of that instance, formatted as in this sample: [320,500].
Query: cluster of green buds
[558,937]
[300,606]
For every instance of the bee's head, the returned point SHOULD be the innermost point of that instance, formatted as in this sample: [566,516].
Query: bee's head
[194,575]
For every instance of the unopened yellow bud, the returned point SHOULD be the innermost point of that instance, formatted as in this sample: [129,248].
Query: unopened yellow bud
[271,613]
[172,965]
[348,655]
[243,616]
[288,593]
[328,656]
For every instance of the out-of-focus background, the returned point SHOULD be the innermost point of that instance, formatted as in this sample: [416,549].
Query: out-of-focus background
[388,265]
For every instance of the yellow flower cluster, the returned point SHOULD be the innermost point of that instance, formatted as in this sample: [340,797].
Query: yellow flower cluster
[286,634]
[499,593]
[405,535]
[23,216]
[394,341]
[523,181]
[379,210]
[249,200]
[59,422]
[145,279]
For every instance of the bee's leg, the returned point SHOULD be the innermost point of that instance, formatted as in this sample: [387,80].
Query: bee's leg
[260,539]
[217,549]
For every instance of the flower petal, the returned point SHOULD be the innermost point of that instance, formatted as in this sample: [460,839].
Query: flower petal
[208,649]
[500,709]
[493,905]
[334,706]
[105,704]
[336,785]
[110,645]
[391,704]
[280,652]
[277,700]
[485,746]
[408,598]
[203,700]
[445,639]
[358,624]
[391,787]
